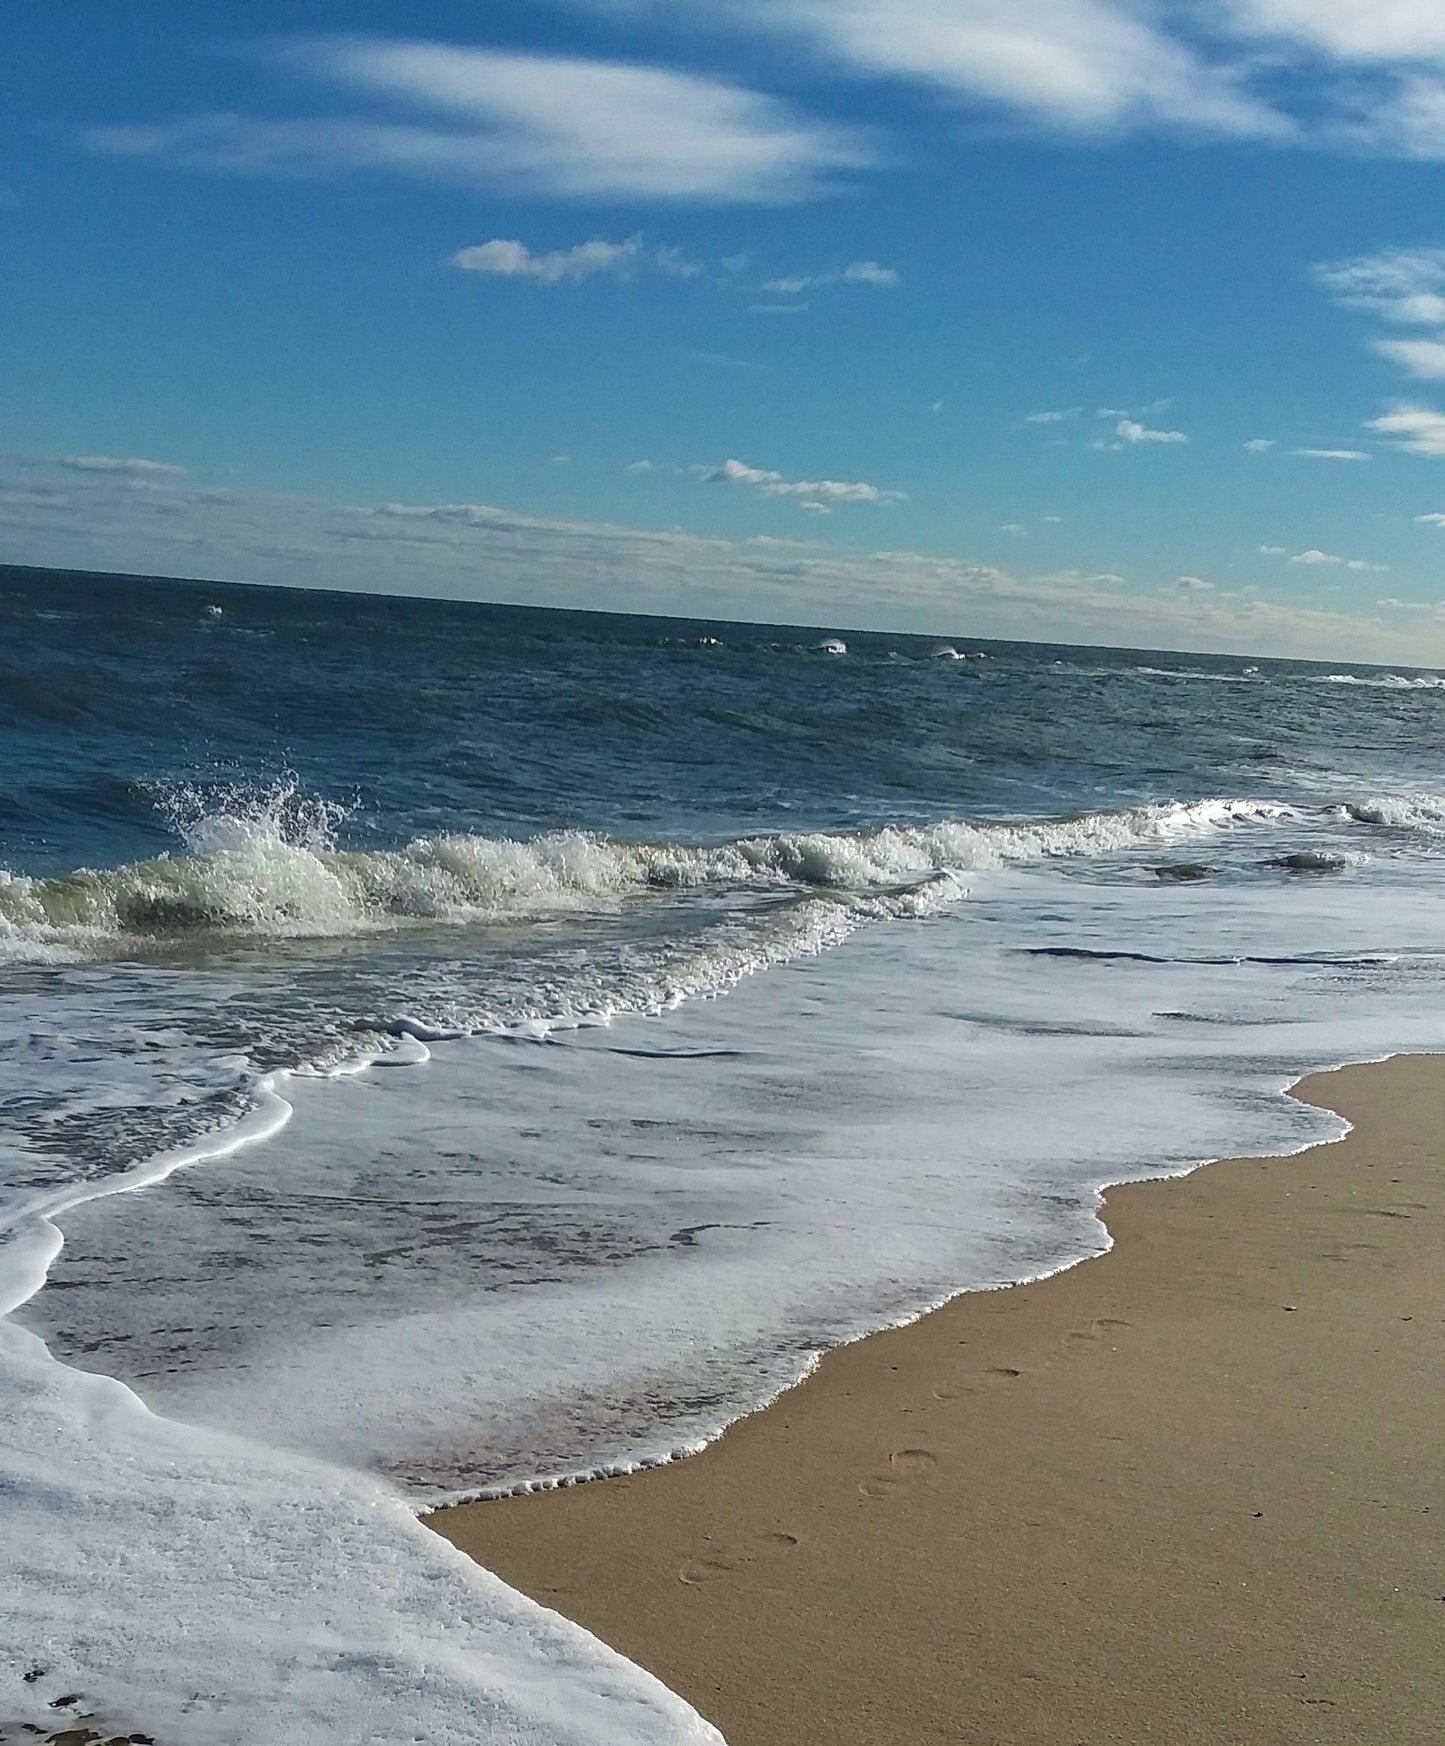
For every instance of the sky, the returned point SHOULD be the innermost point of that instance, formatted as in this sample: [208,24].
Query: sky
[1113,321]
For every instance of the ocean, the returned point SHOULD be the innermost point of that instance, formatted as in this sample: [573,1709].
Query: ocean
[448,1049]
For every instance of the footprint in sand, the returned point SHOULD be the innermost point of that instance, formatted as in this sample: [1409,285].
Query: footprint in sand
[729,1556]
[903,1465]
[1097,1329]
[1347,1251]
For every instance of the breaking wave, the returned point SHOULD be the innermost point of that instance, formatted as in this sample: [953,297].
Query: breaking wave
[271,866]
[1423,814]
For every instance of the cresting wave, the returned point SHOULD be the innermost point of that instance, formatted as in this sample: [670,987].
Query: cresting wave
[259,873]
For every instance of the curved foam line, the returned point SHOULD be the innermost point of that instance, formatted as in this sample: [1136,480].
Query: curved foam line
[27,1264]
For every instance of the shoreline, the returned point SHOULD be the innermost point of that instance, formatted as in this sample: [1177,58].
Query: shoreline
[1007,1521]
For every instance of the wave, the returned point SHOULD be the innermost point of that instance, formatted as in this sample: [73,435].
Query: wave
[1387,681]
[1421,813]
[1213,678]
[270,866]
[1247,675]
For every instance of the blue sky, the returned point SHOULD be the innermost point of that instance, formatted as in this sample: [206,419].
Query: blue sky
[1105,320]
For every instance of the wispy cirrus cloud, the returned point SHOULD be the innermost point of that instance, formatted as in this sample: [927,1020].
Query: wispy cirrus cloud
[534,123]
[1418,430]
[1331,454]
[1404,287]
[1422,358]
[1352,30]
[1086,66]
[1400,285]
[1337,75]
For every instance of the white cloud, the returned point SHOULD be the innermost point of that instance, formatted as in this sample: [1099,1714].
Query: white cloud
[1418,430]
[541,124]
[815,495]
[1013,527]
[1406,120]
[1402,285]
[1055,417]
[1423,358]
[131,465]
[1362,30]
[1089,66]
[1337,75]
[1273,551]
[1193,585]
[869,273]
[1130,433]
[1261,445]
[1314,558]
[1331,454]
[506,259]
[97,520]
[1435,519]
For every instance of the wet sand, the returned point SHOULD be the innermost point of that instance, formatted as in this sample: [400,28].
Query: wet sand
[1192,1491]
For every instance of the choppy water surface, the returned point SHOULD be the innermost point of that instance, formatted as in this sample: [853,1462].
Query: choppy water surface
[371,943]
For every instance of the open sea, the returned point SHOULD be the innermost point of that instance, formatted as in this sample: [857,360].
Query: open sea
[449,1048]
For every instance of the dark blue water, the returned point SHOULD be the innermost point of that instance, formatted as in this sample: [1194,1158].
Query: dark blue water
[419,717]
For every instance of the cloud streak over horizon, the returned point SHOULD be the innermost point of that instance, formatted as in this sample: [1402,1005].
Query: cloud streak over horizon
[113,520]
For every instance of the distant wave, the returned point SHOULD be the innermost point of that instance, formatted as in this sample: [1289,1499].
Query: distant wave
[1244,678]
[1386,681]
[270,866]
[1251,675]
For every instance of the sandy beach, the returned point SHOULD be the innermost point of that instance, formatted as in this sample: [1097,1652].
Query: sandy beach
[1192,1491]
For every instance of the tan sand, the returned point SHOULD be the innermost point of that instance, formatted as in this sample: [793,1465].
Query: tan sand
[1193,1491]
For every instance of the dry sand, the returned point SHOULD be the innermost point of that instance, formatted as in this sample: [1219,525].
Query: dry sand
[1188,1492]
